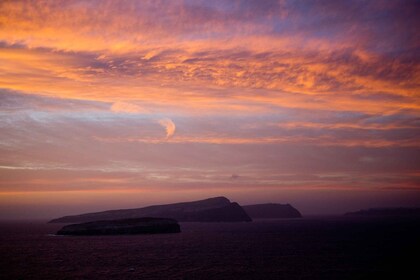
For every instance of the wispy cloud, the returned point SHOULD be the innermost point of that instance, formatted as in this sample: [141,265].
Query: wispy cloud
[169,126]
[124,107]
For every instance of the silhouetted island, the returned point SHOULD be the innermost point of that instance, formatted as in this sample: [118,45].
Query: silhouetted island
[271,211]
[127,226]
[387,212]
[218,209]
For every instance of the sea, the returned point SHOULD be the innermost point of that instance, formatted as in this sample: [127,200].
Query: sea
[308,248]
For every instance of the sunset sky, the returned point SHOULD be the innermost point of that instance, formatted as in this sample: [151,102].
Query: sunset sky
[120,104]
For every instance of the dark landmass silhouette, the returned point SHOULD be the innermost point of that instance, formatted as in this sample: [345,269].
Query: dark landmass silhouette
[387,212]
[217,209]
[271,211]
[126,226]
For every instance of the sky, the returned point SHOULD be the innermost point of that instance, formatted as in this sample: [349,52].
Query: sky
[121,104]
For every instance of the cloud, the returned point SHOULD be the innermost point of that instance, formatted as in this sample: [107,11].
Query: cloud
[282,54]
[234,177]
[169,126]
[366,159]
[123,107]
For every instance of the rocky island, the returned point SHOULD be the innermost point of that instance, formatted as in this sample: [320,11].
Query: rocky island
[271,211]
[387,212]
[126,226]
[217,209]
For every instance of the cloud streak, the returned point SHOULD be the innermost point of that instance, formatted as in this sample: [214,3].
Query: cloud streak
[124,107]
[169,126]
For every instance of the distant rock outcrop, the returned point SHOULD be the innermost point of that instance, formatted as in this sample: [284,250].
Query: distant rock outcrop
[218,209]
[127,226]
[387,212]
[271,211]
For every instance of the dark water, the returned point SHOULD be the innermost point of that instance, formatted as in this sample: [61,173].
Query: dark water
[310,248]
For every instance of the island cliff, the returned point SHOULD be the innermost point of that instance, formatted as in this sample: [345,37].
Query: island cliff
[271,211]
[218,209]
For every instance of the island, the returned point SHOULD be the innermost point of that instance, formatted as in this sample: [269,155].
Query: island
[217,209]
[387,212]
[125,226]
[271,211]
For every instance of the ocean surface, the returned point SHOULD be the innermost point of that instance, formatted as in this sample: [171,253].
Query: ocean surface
[308,248]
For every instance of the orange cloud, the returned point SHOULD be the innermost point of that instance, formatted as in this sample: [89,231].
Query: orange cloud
[169,126]
[109,51]
[123,107]
[315,141]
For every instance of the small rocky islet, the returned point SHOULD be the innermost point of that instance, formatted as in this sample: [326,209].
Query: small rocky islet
[123,227]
